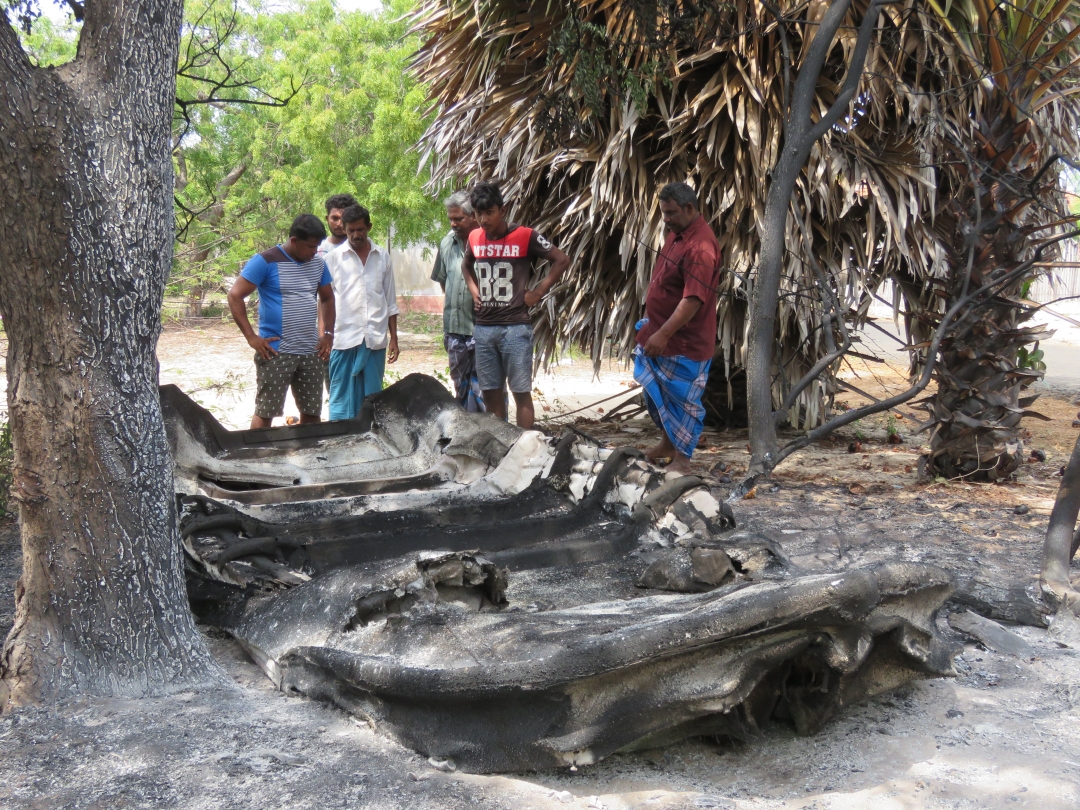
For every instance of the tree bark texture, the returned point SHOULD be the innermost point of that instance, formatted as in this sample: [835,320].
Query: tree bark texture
[761,339]
[86,179]
[1060,545]
[982,393]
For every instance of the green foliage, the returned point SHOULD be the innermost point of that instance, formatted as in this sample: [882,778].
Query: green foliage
[7,457]
[1030,359]
[421,323]
[890,425]
[860,434]
[50,43]
[624,68]
[603,73]
[352,119]
[443,376]
[350,128]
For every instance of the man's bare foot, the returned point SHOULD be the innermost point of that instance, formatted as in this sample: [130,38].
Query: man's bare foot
[665,449]
[657,452]
[679,464]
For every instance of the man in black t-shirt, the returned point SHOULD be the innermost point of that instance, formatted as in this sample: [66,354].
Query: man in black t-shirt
[498,267]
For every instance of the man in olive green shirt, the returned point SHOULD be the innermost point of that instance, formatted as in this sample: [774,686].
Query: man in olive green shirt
[458,306]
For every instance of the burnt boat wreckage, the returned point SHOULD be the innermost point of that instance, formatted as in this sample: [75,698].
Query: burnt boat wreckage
[516,602]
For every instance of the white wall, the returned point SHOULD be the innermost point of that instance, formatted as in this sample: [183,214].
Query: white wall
[412,271]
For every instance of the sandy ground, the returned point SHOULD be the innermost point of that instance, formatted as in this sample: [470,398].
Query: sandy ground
[1001,734]
[1063,316]
[214,365]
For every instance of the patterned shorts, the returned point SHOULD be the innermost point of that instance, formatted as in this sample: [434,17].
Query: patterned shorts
[303,372]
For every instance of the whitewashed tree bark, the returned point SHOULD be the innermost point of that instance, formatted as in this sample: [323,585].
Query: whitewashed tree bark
[86,184]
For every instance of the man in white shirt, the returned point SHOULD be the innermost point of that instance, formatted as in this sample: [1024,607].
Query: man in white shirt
[365,331]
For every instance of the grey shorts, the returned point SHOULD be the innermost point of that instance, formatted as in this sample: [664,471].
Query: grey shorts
[273,377]
[504,354]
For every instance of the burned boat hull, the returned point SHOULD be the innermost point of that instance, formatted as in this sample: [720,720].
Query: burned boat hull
[513,691]
[515,602]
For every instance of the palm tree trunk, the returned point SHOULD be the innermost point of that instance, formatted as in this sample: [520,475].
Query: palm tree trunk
[980,402]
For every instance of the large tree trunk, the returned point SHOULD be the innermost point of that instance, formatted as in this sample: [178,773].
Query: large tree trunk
[86,179]
[980,397]
[761,340]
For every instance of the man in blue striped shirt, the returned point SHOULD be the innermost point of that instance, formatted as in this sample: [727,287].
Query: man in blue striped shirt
[296,322]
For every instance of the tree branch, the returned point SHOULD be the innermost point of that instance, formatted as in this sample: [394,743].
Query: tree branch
[217,101]
[1054,158]
[191,216]
[961,307]
[799,137]
[78,10]
[802,98]
[1058,547]
[204,62]
[854,73]
[13,59]
[211,213]
[232,177]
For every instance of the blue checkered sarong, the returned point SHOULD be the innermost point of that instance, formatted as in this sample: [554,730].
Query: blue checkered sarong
[461,355]
[673,388]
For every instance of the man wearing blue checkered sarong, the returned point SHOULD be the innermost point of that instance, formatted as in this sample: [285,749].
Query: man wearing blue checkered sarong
[677,338]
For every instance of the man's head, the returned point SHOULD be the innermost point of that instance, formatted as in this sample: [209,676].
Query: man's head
[357,221]
[460,213]
[679,205]
[334,206]
[489,209]
[305,236]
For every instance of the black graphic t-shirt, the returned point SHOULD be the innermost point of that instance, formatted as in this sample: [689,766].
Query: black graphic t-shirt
[503,267]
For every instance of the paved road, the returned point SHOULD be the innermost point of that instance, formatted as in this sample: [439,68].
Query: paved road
[1062,367]
[1062,358]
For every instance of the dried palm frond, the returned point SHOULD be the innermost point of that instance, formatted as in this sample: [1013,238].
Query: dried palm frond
[583,109]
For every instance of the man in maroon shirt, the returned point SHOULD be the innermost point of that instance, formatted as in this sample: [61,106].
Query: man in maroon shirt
[677,337]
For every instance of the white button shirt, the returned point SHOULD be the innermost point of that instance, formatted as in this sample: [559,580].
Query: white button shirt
[364,296]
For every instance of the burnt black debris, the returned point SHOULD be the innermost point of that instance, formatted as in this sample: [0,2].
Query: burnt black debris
[511,602]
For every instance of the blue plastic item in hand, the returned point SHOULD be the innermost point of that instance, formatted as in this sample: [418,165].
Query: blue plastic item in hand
[640,324]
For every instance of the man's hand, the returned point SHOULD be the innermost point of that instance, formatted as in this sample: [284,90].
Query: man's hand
[262,346]
[392,350]
[532,298]
[326,343]
[683,314]
[469,273]
[655,345]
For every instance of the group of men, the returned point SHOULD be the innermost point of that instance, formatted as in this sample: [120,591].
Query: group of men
[328,311]
[327,315]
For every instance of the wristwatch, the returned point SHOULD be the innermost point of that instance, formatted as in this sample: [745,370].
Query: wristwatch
[329,333]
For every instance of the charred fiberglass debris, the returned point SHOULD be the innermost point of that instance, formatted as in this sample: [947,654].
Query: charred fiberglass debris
[515,602]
